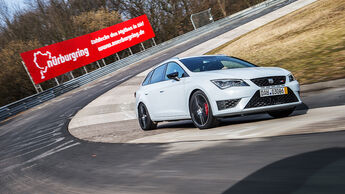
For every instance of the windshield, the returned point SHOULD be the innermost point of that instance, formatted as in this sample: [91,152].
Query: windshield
[210,63]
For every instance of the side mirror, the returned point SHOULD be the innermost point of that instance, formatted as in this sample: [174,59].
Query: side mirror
[173,76]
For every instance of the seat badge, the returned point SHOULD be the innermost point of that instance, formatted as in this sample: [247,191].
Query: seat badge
[270,80]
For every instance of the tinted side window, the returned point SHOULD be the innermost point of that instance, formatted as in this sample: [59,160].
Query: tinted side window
[174,67]
[157,75]
[147,79]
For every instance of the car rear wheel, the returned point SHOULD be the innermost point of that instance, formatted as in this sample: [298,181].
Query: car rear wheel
[281,113]
[144,118]
[201,112]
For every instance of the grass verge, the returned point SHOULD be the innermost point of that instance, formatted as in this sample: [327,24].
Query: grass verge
[309,42]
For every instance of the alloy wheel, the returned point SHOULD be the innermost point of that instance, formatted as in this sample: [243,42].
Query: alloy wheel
[200,109]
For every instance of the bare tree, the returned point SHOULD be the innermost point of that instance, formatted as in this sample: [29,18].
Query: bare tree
[45,22]
[221,4]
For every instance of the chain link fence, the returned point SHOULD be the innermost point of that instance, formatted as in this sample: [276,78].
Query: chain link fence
[201,19]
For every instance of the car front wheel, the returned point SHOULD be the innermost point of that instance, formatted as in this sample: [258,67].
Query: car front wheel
[201,112]
[144,118]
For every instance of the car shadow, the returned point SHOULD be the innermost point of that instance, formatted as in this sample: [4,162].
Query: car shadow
[188,124]
[321,171]
[302,109]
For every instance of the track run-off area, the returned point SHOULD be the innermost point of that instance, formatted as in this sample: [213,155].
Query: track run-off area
[108,153]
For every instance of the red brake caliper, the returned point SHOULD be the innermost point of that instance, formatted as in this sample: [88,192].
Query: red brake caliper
[206,108]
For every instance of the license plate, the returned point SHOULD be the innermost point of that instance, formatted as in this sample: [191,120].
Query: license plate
[273,91]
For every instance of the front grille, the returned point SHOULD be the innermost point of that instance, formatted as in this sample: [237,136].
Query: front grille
[257,101]
[269,81]
[225,104]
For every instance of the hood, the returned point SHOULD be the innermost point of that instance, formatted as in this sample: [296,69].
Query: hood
[243,73]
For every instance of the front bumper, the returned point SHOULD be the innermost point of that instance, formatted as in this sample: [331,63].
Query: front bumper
[246,95]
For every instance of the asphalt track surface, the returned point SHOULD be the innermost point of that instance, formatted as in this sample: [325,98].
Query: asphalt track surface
[38,155]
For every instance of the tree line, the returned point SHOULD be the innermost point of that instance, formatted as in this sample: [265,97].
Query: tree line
[44,22]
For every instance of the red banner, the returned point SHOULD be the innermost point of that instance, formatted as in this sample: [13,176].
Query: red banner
[56,59]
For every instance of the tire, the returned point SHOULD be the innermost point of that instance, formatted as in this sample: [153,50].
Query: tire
[281,113]
[201,112]
[144,118]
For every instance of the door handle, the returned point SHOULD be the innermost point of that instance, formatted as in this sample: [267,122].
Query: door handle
[146,94]
[161,91]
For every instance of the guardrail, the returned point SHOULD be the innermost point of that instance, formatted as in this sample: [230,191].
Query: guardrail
[36,99]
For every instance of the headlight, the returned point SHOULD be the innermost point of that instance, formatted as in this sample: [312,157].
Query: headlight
[291,78]
[227,83]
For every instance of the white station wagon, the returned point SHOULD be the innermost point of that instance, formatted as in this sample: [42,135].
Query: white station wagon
[206,88]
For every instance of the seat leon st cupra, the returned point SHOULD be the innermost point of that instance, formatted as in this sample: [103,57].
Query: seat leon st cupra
[206,88]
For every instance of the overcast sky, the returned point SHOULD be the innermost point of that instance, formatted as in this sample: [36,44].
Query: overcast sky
[13,4]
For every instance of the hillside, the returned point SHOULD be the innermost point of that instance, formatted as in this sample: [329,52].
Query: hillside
[309,42]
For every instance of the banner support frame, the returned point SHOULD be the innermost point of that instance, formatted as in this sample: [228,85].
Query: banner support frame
[99,66]
[86,72]
[130,50]
[57,81]
[32,81]
[104,62]
[71,74]
[154,42]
